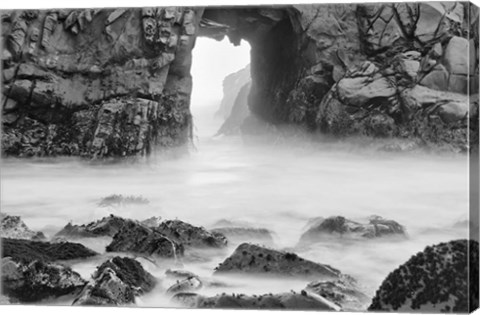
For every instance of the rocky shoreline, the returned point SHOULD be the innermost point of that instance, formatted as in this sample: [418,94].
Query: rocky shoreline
[34,270]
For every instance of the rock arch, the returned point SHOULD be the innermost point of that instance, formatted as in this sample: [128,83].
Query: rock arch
[116,82]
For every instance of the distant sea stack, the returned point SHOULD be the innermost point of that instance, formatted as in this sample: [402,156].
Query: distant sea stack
[232,84]
[109,83]
[442,278]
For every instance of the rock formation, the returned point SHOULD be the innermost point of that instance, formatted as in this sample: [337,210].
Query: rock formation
[237,235]
[107,226]
[27,251]
[14,227]
[191,236]
[254,259]
[116,82]
[116,282]
[33,281]
[136,238]
[239,112]
[232,84]
[341,227]
[291,300]
[442,278]
[189,284]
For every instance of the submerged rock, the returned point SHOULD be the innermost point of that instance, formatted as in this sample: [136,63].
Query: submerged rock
[290,300]
[341,227]
[136,238]
[344,292]
[14,227]
[27,251]
[254,259]
[117,281]
[179,274]
[107,226]
[37,280]
[237,235]
[190,235]
[189,284]
[434,280]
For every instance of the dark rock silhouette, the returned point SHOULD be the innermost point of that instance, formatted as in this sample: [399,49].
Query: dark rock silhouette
[255,259]
[117,282]
[190,235]
[107,226]
[441,278]
[237,235]
[339,226]
[136,238]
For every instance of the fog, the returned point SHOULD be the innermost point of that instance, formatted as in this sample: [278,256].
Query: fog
[277,185]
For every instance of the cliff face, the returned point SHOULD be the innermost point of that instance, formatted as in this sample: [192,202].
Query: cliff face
[116,82]
[232,84]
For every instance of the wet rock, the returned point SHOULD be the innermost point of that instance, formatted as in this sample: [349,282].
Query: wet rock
[292,300]
[27,251]
[190,235]
[254,259]
[189,284]
[237,235]
[14,227]
[117,281]
[37,280]
[136,238]
[339,226]
[107,226]
[344,292]
[434,280]
[358,91]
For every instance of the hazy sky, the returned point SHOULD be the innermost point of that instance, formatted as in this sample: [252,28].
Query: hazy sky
[212,62]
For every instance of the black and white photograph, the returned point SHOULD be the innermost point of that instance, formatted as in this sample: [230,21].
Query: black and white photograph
[305,156]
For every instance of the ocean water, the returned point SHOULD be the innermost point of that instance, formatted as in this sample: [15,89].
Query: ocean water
[278,185]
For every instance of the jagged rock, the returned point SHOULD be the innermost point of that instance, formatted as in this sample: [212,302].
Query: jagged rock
[179,274]
[36,280]
[232,84]
[238,112]
[344,292]
[27,250]
[254,259]
[341,227]
[117,281]
[190,235]
[237,235]
[292,300]
[189,284]
[435,280]
[14,227]
[107,226]
[136,238]
[152,222]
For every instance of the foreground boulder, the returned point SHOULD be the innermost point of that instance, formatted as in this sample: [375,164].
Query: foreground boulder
[236,235]
[137,238]
[290,300]
[190,235]
[14,227]
[37,280]
[28,251]
[117,281]
[344,292]
[341,227]
[254,259]
[107,226]
[435,280]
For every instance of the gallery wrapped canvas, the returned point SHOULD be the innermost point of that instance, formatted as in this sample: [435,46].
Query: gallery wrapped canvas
[303,157]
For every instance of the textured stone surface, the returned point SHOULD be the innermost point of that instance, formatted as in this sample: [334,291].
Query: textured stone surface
[117,281]
[435,280]
[107,226]
[237,235]
[14,227]
[117,82]
[28,251]
[291,300]
[136,238]
[37,280]
[255,259]
[341,227]
[191,236]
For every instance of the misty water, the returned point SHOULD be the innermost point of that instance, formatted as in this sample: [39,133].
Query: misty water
[276,185]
